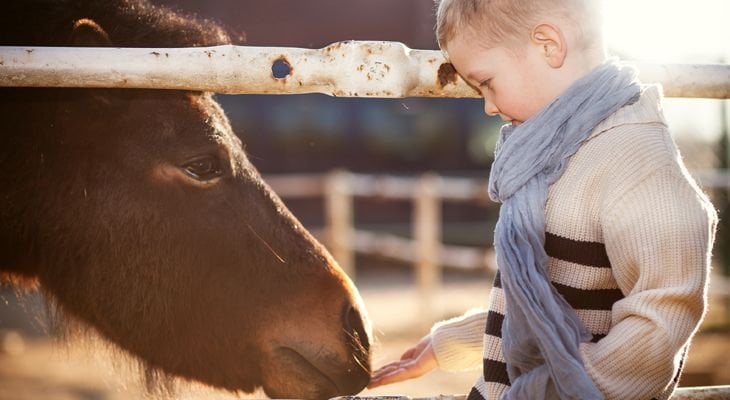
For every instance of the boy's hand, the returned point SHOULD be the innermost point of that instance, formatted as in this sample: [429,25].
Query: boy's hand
[415,362]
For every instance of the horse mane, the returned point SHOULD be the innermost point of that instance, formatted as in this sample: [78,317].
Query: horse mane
[129,23]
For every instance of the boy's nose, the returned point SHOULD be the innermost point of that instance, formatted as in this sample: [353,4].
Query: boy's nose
[490,109]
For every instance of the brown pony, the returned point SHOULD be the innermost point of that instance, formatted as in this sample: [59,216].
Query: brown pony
[138,214]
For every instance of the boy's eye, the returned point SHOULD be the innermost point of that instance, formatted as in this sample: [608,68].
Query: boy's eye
[487,83]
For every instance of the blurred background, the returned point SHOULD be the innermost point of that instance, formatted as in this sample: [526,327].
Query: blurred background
[414,163]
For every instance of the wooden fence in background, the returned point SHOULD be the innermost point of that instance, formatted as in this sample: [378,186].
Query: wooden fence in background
[424,249]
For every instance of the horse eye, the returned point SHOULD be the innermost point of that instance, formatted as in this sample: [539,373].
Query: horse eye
[203,169]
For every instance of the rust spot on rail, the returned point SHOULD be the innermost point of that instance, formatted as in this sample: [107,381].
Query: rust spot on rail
[446,74]
[333,46]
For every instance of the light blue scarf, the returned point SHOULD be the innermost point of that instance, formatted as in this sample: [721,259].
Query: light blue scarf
[541,332]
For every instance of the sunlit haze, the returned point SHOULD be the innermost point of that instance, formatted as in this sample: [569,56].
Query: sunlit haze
[673,31]
[668,30]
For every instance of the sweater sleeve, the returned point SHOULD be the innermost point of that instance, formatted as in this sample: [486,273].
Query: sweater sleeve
[658,237]
[458,342]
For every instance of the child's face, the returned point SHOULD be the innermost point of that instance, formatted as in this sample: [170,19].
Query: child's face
[515,83]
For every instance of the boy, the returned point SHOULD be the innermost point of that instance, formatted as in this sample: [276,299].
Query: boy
[603,241]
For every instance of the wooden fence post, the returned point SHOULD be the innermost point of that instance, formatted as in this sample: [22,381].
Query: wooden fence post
[339,219]
[427,235]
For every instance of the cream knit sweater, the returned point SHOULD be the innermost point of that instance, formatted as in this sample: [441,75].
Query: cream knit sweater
[629,235]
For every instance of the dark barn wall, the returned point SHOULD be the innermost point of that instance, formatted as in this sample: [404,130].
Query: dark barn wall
[317,23]
[314,133]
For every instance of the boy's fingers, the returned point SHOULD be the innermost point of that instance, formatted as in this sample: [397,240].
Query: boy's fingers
[387,368]
[385,371]
[395,375]
[382,380]
[408,370]
[408,357]
[414,362]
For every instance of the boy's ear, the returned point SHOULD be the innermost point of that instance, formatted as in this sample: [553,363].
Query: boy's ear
[551,43]
[87,32]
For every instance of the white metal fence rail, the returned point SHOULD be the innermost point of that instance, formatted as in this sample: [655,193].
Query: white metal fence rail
[350,69]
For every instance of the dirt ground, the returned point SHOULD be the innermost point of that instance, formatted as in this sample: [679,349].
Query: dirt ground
[39,368]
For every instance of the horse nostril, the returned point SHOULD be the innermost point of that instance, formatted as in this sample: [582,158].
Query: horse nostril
[355,328]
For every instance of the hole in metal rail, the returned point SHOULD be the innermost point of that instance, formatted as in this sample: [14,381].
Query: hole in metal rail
[281,68]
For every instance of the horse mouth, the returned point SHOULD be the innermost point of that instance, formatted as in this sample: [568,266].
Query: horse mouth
[314,383]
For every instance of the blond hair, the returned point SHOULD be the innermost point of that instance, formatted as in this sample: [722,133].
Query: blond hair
[510,21]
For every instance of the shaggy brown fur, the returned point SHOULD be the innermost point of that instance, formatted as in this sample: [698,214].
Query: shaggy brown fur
[139,214]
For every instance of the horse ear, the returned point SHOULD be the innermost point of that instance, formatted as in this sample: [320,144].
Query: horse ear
[87,32]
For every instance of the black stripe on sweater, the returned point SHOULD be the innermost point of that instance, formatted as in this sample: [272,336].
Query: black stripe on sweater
[495,321]
[585,253]
[594,299]
[496,371]
[474,395]
[581,299]
[597,337]
[494,324]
